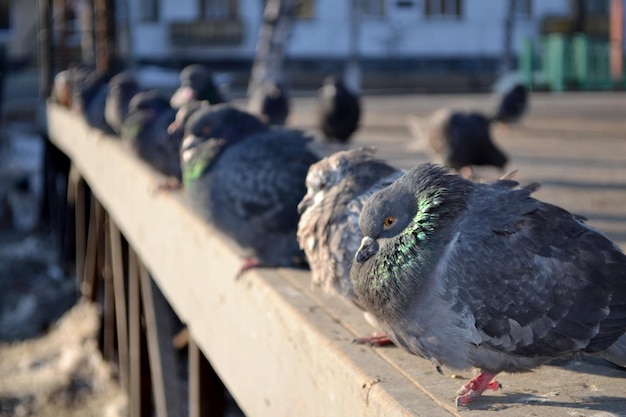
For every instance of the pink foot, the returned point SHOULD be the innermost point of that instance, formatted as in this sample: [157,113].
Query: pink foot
[374,340]
[248,264]
[169,184]
[475,387]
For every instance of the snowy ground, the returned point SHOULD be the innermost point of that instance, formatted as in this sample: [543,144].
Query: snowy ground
[49,358]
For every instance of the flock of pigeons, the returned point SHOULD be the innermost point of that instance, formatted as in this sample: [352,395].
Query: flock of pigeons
[416,250]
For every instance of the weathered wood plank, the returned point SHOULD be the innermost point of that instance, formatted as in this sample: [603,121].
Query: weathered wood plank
[166,390]
[121,312]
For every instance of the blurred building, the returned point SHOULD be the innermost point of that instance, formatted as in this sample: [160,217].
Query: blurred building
[454,43]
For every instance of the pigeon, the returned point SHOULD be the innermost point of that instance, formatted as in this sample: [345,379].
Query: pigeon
[246,180]
[271,102]
[328,230]
[461,140]
[196,83]
[89,89]
[177,127]
[339,110]
[512,106]
[122,88]
[483,275]
[145,132]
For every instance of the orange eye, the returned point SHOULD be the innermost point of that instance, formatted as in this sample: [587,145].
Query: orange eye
[389,221]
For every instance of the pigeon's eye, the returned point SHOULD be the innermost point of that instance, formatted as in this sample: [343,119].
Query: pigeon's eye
[389,221]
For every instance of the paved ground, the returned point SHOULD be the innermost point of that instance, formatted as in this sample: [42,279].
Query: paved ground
[573,143]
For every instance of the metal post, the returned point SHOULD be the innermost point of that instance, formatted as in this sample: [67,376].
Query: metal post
[352,74]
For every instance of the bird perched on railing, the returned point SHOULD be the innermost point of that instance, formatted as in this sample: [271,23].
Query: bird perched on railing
[270,102]
[339,109]
[89,88]
[145,132]
[458,139]
[484,275]
[328,231]
[196,83]
[247,180]
[513,105]
[122,88]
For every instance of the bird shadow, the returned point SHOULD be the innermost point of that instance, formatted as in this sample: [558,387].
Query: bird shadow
[610,404]
[568,161]
[587,185]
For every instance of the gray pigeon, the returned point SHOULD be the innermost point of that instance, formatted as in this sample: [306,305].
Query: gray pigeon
[337,188]
[246,180]
[485,276]
[462,140]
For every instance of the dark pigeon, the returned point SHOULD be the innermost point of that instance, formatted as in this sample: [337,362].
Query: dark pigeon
[196,83]
[89,88]
[145,132]
[122,88]
[271,102]
[513,105]
[484,275]
[246,180]
[462,140]
[339,110]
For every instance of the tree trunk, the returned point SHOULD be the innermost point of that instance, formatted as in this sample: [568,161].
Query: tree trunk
[272,42]
[507,55]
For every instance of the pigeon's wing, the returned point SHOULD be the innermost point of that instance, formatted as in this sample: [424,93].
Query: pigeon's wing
[262,178]
[536,279]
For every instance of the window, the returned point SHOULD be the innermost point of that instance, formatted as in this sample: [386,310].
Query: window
[372,7]
[218,9]
[451,8]
[4,15]
[597,7]
[149,10]
[305,9]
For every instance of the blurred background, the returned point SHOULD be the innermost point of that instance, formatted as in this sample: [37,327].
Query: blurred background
[382,47]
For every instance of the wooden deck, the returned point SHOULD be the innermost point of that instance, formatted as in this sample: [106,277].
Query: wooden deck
[285,349]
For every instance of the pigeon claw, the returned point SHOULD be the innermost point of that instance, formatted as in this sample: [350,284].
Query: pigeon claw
[475,387]
[374,340]
[248,264]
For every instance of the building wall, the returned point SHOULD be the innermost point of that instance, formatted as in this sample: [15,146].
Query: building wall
[403,32]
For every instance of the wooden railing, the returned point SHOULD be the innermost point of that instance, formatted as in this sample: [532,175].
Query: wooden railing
[279,347]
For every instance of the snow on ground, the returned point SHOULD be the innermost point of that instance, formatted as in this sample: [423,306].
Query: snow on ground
[49,359]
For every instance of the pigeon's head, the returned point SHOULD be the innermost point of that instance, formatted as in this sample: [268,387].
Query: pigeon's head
[414,206]
[183,114]
[386,215]
[329,172]
[148,100]
[223,123]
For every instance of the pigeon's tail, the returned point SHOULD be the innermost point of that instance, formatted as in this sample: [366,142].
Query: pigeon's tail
[616,353]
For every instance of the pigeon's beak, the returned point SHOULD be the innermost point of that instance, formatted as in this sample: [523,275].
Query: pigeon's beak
[368,248]
[304,204]
[187,147]
[181,96]
[173,127]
